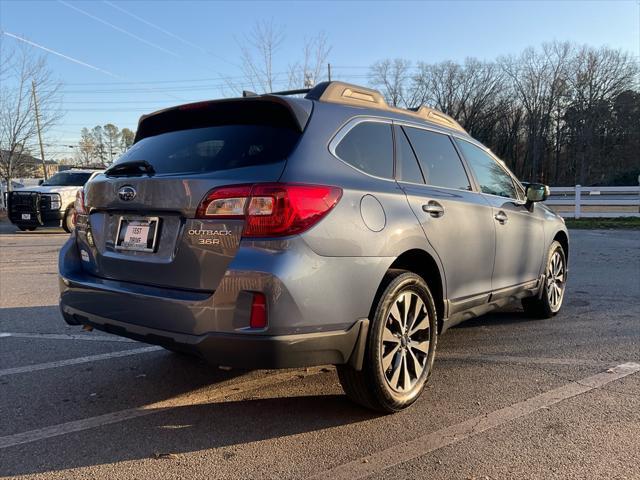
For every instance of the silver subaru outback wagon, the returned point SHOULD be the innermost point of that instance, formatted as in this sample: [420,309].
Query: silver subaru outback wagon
[274,231]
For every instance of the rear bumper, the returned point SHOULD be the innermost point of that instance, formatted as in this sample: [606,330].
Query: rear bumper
[315,316]
[241,350]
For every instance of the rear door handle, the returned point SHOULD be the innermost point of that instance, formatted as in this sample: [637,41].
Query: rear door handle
[434,209]
[501,217]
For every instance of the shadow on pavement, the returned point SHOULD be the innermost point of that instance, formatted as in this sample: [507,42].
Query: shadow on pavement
[194,428]
[181,429]
[8,228]
[507,317]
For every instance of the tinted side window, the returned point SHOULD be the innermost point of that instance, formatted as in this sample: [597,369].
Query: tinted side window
[369,147]
[438,158]
[407,168]
[491,176]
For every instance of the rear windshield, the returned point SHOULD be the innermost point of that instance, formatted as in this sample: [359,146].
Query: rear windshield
[68,179]
[209,149]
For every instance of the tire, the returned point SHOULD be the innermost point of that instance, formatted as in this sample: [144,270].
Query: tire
[549,302]
[390,340]
[68,221]
[27,229]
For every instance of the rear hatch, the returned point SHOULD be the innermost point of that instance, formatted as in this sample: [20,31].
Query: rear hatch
[142,224]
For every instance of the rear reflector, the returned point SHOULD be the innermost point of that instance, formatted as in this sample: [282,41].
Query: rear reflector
[258,311]
[271,209]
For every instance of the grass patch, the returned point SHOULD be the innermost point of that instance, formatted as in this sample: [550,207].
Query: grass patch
[601,223]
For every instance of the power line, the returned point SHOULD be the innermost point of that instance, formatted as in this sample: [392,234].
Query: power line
[74,60]
[119,29]
[168,33]
[66,57]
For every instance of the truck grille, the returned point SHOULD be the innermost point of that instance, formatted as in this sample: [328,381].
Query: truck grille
[24,202]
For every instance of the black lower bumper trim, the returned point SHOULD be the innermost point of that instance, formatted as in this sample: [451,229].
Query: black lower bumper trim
[240,350]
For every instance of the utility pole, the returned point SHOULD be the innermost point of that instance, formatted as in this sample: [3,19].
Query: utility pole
[329,71]
[35,104]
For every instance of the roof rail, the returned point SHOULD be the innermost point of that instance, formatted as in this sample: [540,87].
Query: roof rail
[348,94]
[249,93]
[291,92]
[436,116]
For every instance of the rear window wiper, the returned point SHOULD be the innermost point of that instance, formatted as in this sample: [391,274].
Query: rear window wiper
[130,169]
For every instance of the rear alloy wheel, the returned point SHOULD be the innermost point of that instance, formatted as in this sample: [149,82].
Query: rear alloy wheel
[400,347]
[68,222]
[549,302]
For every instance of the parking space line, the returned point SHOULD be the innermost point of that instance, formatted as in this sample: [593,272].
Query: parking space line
[498,358]
[64,336]
[192,398]
[76,361]
[404,452]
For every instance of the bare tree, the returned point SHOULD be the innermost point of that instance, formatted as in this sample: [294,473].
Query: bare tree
[310,71]
[257,51]
[86,148]
[18,131]
[471,93]
[100,148]
[538,79]
[596,77]
[126,139]
[394,79]
[111,140]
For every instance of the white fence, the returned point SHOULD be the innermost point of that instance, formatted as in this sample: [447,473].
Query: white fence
[589,202]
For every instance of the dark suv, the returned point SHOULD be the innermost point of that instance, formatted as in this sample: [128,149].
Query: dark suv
[274,231]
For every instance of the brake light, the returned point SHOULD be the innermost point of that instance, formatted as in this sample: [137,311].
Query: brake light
[271,209]
[258,318]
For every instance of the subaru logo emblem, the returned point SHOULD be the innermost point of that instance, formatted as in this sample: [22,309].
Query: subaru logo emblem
[127,193]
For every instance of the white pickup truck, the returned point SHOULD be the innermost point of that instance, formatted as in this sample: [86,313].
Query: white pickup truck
[50,204]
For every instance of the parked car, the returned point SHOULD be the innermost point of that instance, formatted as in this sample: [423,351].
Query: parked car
[273,232]
[50,204]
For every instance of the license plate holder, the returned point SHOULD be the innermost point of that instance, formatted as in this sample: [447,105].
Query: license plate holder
[138,234]
[26,216]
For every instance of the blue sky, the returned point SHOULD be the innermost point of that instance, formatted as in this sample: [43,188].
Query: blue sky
[190,68]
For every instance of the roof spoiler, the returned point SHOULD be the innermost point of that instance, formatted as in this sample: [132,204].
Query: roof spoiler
[292,112]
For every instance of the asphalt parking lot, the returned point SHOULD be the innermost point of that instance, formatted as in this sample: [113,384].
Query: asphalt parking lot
[510,397]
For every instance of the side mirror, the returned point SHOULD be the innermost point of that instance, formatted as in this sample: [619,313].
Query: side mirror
[537,192]
[40,182]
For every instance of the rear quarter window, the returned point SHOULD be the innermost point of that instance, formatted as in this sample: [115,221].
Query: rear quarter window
[369,147]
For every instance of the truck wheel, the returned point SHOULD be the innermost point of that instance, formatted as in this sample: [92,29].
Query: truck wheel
[400,347]
[68,222]
[27,229]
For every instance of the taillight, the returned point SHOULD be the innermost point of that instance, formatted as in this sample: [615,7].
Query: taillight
[225,202]
[271,209]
